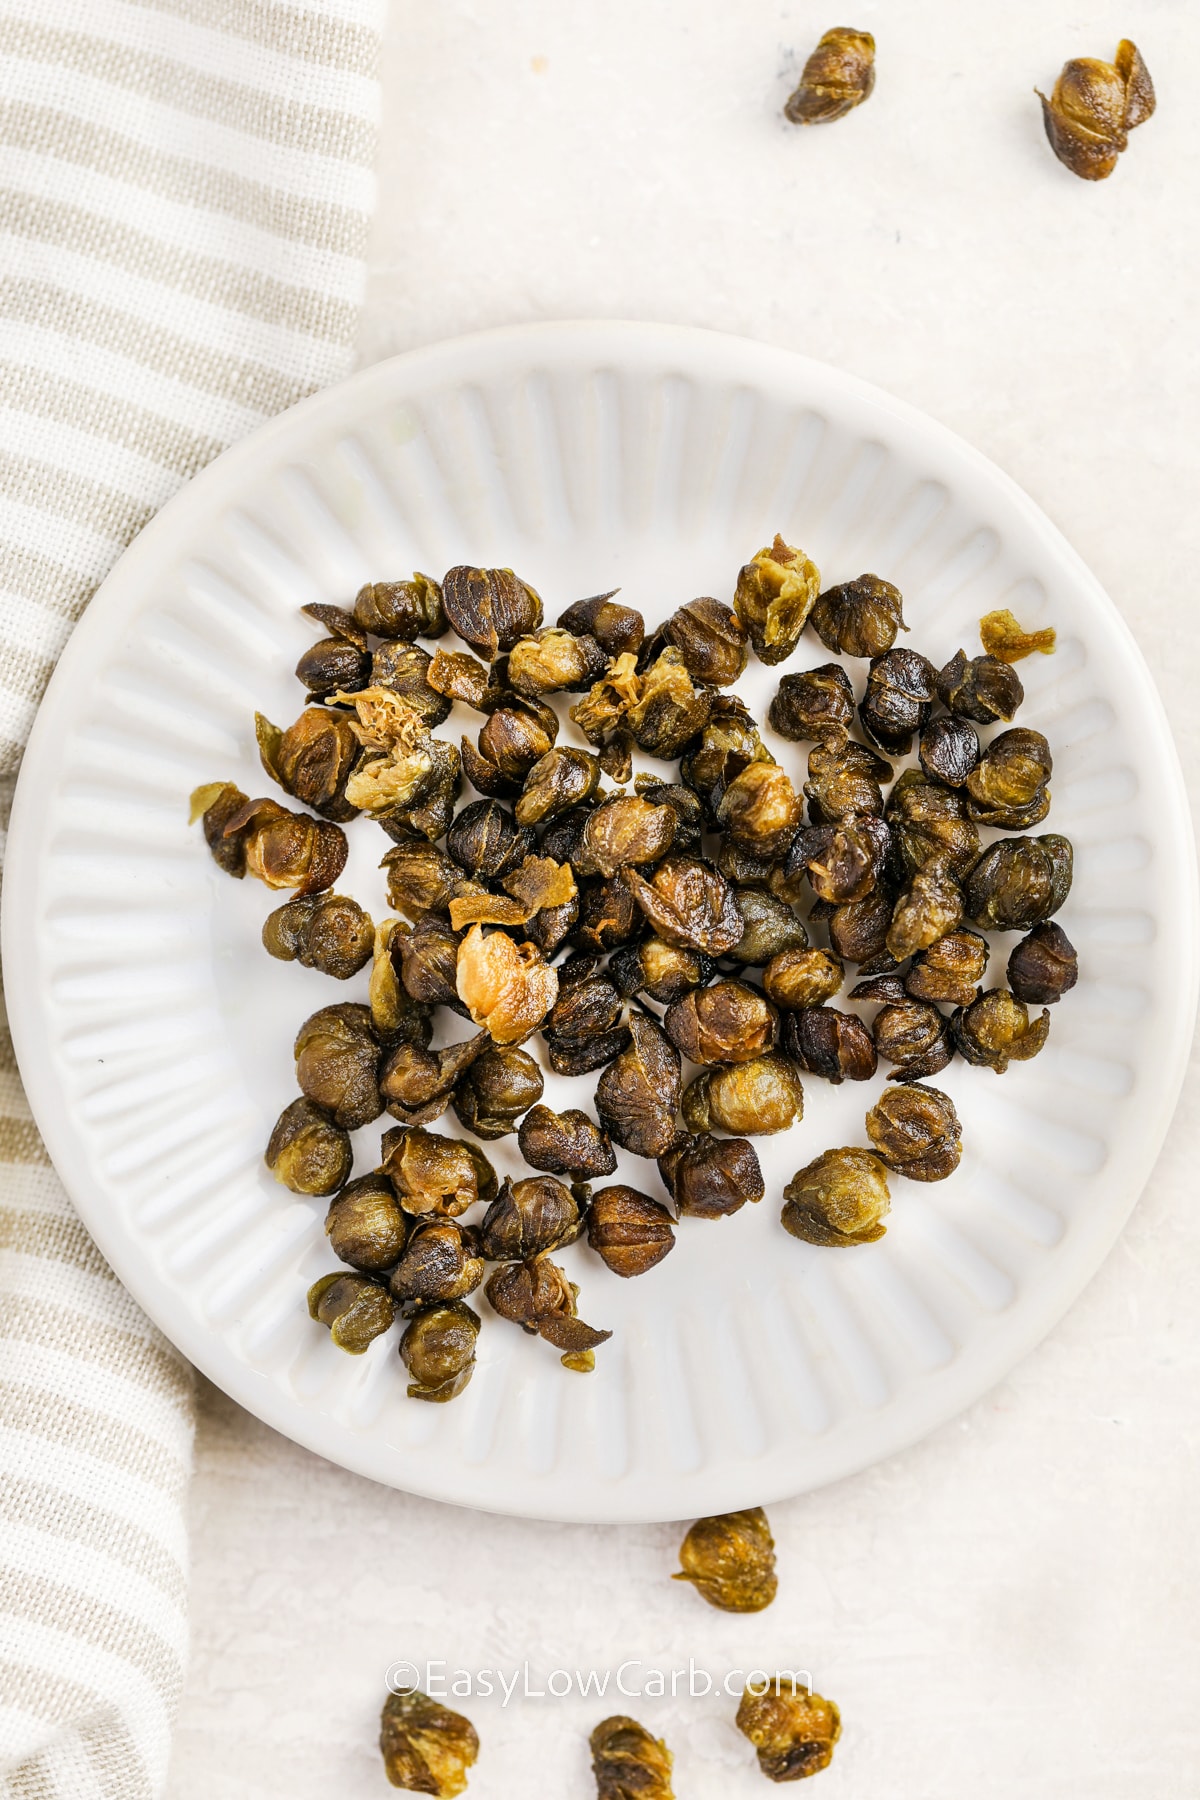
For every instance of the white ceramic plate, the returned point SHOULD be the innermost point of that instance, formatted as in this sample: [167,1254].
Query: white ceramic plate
[154,1034]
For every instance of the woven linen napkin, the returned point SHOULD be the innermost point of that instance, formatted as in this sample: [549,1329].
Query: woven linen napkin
[185,192]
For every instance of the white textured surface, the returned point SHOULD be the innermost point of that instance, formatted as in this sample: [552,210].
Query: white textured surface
[1007,1605]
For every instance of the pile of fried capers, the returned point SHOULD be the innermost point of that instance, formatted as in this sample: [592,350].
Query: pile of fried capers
[636,924]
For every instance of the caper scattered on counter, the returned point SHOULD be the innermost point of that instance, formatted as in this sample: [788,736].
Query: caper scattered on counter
[426,1747]
[793,1731]
[730,1561]
[838,76]
[628,1762]
[1092,110]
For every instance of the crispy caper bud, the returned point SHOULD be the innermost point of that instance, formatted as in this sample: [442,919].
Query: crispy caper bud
[771,928]
[793,1730]
[858,930]
[1002,634]
[776,591]
[584,1029]
[1018,882]
[401,609]
[427,954]
[839,1198]
[711,640]
[506,986]
[615,755]
[553,661]
[421,878]
[710,1177]
[980,688]
[730,1561]
[898,700]
[663,971]
[329,932]
[949,749]
[340,661]
[214,805]
[1043,967]
[486,842]
[559,780]
[661,705]
[337,1064]
[627,1761]
[538,1297]
[620,832]
[727,743]
[417,1082]
[916,1131]
[436,1174]
[1008,786]
[490,608]
[355,1308]
[307,1152]
[885,990]
[510,743]
[930,906]
[425,1746]
[430,807]
[927,821]
[609,916]
[619,630]
[950,970]
[637,1097]
[438,1350]
[843,862]
[814,706]
[799,978]
[459,676]
[728,1022]
[1094,107]
[530,1218]
[753,1099]
[684,803]
[498,1087]
[761,810]
[312,759]
[628,1230]
[403,669]
[915,1037]
[282,849]
[834,1045]
[859,618]
[996,1029]
[688,903]
[566,1143]
[838,76]
[844,781]
[365,1225]
[441,1262]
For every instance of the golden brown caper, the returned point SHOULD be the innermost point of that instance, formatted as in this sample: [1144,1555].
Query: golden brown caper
[538,1297]
[711,640]
[629,1231]
[530,1218]
[688,903]
[899,698]
[930,906]
[710,1177]
[505,986]
[609,916]
[815,706]
[490,608]
[996,1029]
[950,970]
[728,1022]
[834,1045]
[435,1174]
[403,670]
[427,953]
[627,1761]
[417,1083]
[552,661]
[1018,882]
[949,749]
[355,1308]
[559,780]
[730,1561]
[337,1064]
[1008,785]
[401,609]
[441,1262]
[624,831]
[261,838]
[980,688]
[797,978]
[1003,636]
[340,661]
[619,630]
[838,76]
[859,618]
[329,932]
[1043,967]
[426,1747]
[858,930]
[754,1099]
[312,759]
[844,780]
[915,1130]
[1094,107]
[497,1088]
[843,862]
[793,1730]
[915,1037]
[365,1225]
[638,1094]
[486,842]
[839,1198]
[421,878]
[663,971]
[728,741]
[214,805]
[776,592]
[307,1152]
[566,1143]
[438,1350]
[458,675]
[760,809]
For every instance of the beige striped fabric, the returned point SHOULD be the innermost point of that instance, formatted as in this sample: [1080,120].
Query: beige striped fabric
[185,192]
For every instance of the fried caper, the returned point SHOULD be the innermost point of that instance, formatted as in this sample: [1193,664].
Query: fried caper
[663,971]
[844,780]
[401,609]
[552,661]
[915,1037]
[798,978]
[996,1029]
[307,1152]
[628,1230]
[728,742]
[403,669]
[817,705]
[619,630]
[1094,107]
[441,1262]
[337,1064]
[530,1218]
[771,930]
[838,76]
[418,1083]
[609,916]
[686,805]
[916,1131]
[930,906]
[728,1022]
[282,849]
[435,1174]
[792,1729]
[859,618]
[584,1029]
[1002,634]
[753,1099]
[710,1177]
[355,1309]
[486,842]
[688,903]
[1043,967]
[760,809]
[839,1198]
[312,759]
[776,591]
[365,1225]
[505,986]
[950,970]
[438,1350]
[711,640]
[627,1761]
[459,676]
[515,738]
[730,1561]
[1008,785]
[490,608]
[899,698]
[565,1143]
[1018,882]
[928,820]
[834,1045]
[637,1097]
[497,1088]
[538,1297]
[340,661]
[843,862]
[980,688]
[329,932]
[858,931]
[425,1746]
[622,832]
[559,780]
[949,749]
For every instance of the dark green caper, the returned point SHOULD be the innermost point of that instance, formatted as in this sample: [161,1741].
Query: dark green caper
[797,978]
[609,916]
[915,1037]
[728,742]
[403,669]
[307,1152]
[619,630]
[792,1729]
[638,1094]
[340,661]
[530,1218]
[898,700]
[843,862]
[834,1045]
[950,970]
[417,1083]
[365,1225]
[441,1262]
[438,1350]
[949,749]
[1018,882]
[711,640]
[1008,786]
[490,608]
[930,906]
[559,780]
[753,1099]
[538,1297]
[401,609]
[859,618]
[760,809]
[497,1088]
[566,1143]
[817,705]
[355,1308]
[858,931]
[312,759]
[980,688]
[688,903]
[485,841]
[710,1177]
[337,1064]
[663,971]
[622,832]
[728,1022]
[844,781]
[1043,967]
[584,1028]
[929,820]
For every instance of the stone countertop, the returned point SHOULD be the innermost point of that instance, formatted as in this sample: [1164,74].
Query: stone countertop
[1009,1606]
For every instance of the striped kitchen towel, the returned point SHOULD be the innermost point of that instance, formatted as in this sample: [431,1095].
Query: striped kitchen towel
[185,195]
